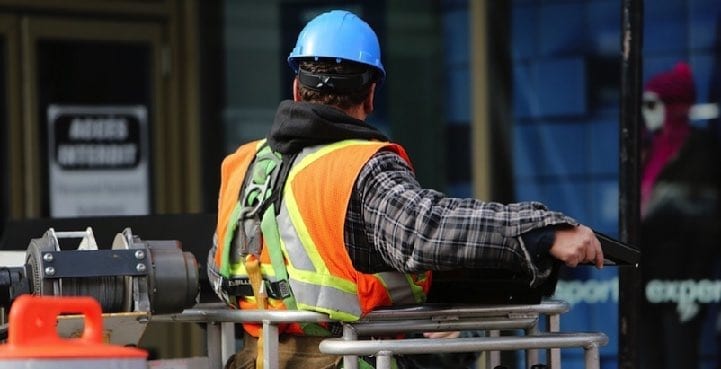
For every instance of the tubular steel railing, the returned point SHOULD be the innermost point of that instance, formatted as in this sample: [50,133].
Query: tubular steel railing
[491,319]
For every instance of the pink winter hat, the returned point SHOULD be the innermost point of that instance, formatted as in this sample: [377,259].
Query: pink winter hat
[674,86]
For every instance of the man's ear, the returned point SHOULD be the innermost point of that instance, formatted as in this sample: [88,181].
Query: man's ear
[296,90]
[368,102]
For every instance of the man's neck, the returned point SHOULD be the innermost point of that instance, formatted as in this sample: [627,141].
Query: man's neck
[356,112]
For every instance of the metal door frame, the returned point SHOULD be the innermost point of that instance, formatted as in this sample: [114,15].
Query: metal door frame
[36,28]
[9,28]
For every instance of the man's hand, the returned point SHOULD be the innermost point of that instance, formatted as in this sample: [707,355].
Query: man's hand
[577,245]
[451,334]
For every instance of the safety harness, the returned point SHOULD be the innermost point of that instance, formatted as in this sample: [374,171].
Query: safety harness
[254,234]
[257,228]
[256,218]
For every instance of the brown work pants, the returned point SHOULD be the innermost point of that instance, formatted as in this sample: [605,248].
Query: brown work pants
[294,352]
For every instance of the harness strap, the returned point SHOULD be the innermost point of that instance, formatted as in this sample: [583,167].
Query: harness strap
[269,227]
[278,290]
[257,227]
[252,265]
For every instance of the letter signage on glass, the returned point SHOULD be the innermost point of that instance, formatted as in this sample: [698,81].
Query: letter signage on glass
[98,160]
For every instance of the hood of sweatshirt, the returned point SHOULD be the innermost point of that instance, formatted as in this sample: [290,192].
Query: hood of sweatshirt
[301,124]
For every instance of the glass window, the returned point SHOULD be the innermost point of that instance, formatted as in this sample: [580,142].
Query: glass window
[259,37]
[565,109]
[681,184]
[565,62]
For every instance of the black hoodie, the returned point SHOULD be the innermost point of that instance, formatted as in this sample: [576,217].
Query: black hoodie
[301,124]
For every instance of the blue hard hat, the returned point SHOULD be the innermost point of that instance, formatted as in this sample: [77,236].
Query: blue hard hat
[338,34]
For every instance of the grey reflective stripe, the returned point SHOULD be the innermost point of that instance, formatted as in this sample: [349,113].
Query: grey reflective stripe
[213,275]
[327,299]
[398,287]
[318,297]
[215,279]
[296,252]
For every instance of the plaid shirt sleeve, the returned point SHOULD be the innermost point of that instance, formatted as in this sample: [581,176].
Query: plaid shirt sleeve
[395,223]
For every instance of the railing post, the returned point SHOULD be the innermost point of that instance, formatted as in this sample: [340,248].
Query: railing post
[493,358]
[591,356]
[227,341]
[349,333]
[384,360]
[270,345]
[213,337]
[532,354]
[554,355]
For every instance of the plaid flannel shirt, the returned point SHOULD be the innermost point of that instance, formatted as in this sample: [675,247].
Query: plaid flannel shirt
[393,223]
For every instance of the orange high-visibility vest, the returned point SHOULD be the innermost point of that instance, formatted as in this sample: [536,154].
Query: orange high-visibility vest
[310,223]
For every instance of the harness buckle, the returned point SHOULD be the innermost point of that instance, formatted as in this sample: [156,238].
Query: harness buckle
[248,239]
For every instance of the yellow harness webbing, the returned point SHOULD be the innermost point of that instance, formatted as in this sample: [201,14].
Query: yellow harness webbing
[252,265]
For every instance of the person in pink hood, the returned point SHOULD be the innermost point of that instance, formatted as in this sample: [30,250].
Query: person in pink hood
[667,100]
[680,221]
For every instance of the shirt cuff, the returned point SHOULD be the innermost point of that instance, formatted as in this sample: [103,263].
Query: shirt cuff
[538,242]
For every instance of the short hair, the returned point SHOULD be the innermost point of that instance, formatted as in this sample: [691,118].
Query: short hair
[343,100]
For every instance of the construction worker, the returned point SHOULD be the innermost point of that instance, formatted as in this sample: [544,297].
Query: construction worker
[325,213]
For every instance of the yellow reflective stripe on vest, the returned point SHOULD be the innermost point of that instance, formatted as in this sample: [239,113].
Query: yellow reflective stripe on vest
[313,265]
[290,243]
[400,287]
[326,294]
[418,295]
[310,279]
[289,197]
[301,232]
[307,285]
[225,267]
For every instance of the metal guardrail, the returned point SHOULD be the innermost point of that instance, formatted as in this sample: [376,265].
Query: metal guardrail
[383,350]
[220,328]
[425,318]
[438,317]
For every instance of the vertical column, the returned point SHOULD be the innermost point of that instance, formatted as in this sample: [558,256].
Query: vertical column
[629,188]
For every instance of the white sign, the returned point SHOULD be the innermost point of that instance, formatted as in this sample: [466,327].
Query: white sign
[98,160]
